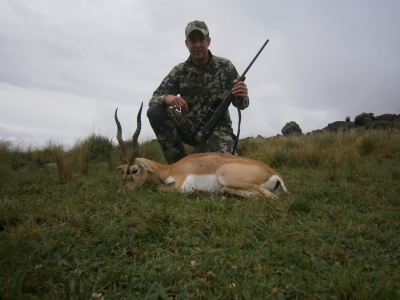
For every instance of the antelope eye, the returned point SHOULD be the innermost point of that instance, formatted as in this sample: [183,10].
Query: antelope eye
[134,171]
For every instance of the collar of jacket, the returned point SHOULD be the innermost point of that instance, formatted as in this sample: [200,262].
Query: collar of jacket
[189,62]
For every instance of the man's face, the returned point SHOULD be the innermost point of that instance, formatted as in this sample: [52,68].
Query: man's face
[198,44]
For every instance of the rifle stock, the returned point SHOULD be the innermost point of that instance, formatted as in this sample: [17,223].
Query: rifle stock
[219,112]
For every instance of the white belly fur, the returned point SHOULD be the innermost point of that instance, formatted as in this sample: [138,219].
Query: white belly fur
[203,183]
[210,183]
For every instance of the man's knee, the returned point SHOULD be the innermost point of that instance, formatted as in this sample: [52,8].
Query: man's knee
[156,111]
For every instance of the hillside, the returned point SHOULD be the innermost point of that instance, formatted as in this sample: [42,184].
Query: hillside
[66,232]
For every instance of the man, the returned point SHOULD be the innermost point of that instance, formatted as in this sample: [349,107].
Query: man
[184,95]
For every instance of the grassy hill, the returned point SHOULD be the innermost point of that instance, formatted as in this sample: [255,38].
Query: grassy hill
[68,234]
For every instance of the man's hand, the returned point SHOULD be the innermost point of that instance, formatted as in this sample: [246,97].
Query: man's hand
[240,89]
[176,102]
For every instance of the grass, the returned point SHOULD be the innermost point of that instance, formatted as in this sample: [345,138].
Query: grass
[336,235]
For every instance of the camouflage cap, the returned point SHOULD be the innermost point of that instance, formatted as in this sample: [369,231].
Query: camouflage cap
[196,25]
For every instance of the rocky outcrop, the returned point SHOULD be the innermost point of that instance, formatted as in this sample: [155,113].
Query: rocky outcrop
[388,117]
[378,125]
[339,126]
[365,121]
[385,121]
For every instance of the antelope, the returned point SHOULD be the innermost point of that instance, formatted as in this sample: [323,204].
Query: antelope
[206,172]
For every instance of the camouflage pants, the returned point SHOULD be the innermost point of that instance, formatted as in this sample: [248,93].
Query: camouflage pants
[172,129]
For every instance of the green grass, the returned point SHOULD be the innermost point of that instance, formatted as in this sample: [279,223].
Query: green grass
[336,235]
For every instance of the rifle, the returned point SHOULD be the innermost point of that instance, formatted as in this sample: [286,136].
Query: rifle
[219,112]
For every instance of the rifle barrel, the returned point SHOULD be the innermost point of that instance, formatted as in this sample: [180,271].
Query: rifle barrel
[254,59]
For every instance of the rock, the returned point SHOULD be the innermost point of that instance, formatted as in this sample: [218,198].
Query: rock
[368,120]
[388,117]
[359,120]
[339,126]
[291,128]
[378,125]
[48,167]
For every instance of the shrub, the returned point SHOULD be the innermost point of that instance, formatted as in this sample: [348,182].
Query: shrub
[368,143]
[64,163]
[96,147]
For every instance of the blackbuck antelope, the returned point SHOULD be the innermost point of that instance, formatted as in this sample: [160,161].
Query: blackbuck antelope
[207,172]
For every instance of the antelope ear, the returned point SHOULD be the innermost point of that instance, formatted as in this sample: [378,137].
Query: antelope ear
[146,166]
[120,167]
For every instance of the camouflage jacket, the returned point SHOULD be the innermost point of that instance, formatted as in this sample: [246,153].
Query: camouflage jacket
[198,85]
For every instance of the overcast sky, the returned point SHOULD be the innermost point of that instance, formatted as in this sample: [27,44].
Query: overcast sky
[66,65]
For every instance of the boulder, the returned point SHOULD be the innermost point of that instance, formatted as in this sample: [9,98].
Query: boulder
[291,128]
[360,119]
[368,120]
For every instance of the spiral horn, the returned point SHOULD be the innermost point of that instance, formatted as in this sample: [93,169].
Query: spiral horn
[135,144]
[122,145]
